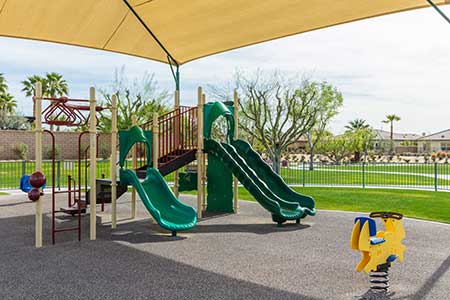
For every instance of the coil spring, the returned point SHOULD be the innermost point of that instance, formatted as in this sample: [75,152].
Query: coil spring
[379,281]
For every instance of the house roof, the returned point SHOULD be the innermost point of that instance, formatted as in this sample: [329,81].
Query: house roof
[386,135]
[443,135]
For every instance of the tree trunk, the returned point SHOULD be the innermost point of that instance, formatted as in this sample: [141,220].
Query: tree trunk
[392,137]
[357,156]
[276,162]
[311,153]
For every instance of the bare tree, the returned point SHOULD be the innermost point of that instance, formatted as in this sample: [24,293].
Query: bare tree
[278,111]
[140,97]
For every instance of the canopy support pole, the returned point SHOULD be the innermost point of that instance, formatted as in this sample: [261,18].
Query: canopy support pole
[176,73]
[172,61]
[439,10]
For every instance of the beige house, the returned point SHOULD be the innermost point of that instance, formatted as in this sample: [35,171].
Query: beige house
[403,142]
[435,142]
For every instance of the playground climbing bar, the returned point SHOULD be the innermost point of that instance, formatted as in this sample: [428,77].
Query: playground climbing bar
[93,166]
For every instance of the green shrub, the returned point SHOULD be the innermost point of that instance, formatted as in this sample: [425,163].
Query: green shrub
[104,151]
[49,152]
[21,150]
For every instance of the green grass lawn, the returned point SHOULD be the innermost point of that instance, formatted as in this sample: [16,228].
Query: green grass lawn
[427,205]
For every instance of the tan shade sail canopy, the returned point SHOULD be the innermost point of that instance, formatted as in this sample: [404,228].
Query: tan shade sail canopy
[188,29]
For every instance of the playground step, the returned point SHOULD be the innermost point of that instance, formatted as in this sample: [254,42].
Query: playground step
[168,166]
[103,188]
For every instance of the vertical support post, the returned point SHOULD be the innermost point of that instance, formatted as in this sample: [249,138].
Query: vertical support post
[177,139]
[200,147]
[134,166]
[155,140]
[303,174]
[93,165]
[24,162]
[38,158]
[58,174]
[203,162]
[363,174]
[112,170]
[435,176]
[236,136]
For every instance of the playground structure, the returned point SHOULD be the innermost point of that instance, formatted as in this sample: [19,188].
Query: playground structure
[70,112]
[184,135]
[379,249]
[170,142]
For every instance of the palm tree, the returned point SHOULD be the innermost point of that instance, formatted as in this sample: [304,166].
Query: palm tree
[390,119]
[3,84]
[7,103]
[56,86]
[30,82]
[356,125]
[29,86]
[53,85]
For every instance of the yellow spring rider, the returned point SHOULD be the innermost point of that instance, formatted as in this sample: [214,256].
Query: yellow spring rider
[379,249]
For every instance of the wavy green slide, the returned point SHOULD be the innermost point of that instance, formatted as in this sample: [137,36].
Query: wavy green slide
[160,201]
[275,183]
[280,209]
[158,198]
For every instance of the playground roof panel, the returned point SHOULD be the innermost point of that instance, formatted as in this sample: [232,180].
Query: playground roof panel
[188,30]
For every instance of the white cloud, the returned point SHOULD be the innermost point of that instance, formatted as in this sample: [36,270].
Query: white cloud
[392,64]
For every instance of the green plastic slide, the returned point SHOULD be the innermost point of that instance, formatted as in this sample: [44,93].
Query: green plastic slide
[280,209]
[160,201]
[273,181]
[158,198]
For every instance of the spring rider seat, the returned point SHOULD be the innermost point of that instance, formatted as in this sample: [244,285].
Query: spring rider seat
[379,249]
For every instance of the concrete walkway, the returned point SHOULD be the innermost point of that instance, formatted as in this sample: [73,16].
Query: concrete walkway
[243,256]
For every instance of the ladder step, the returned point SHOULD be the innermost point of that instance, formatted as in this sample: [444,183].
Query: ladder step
[66,229]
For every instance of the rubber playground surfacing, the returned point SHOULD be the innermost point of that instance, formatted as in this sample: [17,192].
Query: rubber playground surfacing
[243,256]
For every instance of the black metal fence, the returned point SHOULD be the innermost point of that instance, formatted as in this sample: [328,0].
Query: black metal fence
[432,176]
[12,171]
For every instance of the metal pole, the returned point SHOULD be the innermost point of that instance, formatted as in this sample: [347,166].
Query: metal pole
[58,174]
[236,136]
[93,166]
[177,139]
[203,161]
[439,10]
[363,174]
[303,174]
[113,161]
[199,153]
[155,130]
[134,166]
[435,177]
[38,158]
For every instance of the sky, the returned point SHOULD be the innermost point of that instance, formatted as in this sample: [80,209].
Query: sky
[398,63]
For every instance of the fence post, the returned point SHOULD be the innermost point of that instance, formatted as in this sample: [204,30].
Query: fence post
[58,174]
[435,177]
[303,174]
[24,167]
[363,174]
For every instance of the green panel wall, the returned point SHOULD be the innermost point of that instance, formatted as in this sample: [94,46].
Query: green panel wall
[220,186]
